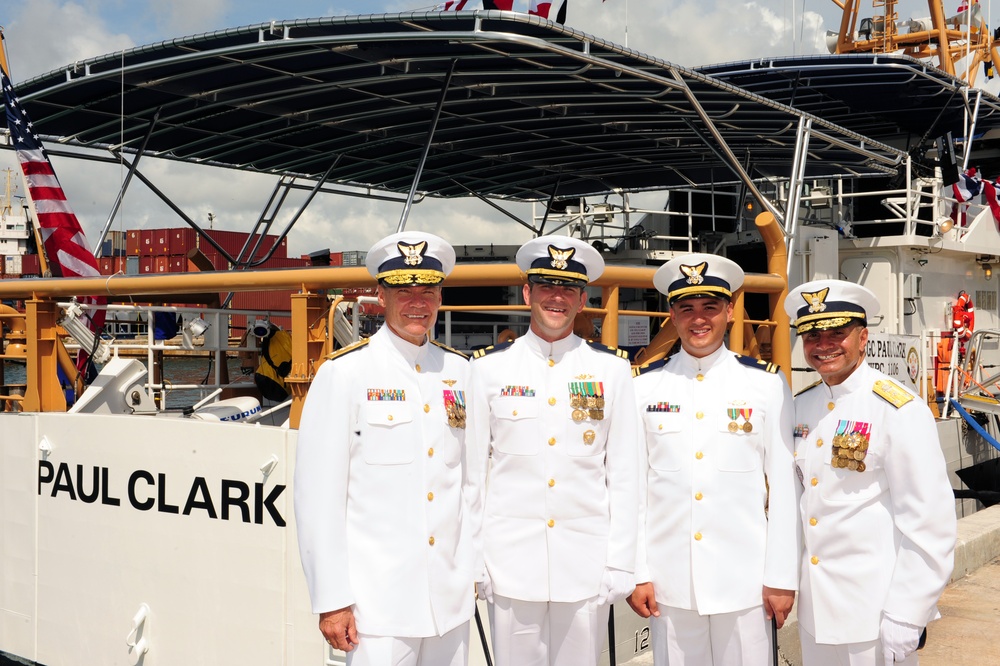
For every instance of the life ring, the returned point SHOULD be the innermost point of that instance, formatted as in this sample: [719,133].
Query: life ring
[963,317]
[506,335]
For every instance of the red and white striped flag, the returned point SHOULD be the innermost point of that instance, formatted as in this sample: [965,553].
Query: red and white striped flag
[459,5]
[554,10]
[65,244]
[452,6]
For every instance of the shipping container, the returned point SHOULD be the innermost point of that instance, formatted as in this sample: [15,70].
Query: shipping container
[106,265]
[146,242]
[12,264]
[286,262]
[178,265]
[146,265]
[133,243]
[354,258]
[132,265]
[336,258]
[118,242]
[182,239]
[30,265]
[161,264]
[161,242]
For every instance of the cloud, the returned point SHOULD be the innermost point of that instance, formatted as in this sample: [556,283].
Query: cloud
[46,34]
[183,17]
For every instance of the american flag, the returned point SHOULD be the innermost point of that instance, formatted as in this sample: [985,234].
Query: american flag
[65,244]
[554,10]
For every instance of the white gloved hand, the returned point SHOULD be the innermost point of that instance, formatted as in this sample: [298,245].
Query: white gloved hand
[484,587]
[615,586]
[899,639]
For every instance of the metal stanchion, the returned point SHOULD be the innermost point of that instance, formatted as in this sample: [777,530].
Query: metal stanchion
[482,637]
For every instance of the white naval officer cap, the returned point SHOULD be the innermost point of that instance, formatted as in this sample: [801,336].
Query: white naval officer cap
[823,304]
[698,274]
[560,260]
[410,258]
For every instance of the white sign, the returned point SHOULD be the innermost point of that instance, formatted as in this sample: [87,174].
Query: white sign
[897,356]
[633,331]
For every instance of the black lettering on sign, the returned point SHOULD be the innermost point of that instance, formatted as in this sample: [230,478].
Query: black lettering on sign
[146,492]
[240,501]
[199,487]
[132,497]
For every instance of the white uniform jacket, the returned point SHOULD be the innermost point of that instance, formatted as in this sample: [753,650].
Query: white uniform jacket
[381,519]
[876,540]
[561,500]
[714,428]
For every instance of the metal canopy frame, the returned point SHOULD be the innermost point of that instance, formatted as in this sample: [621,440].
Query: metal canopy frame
[531,105]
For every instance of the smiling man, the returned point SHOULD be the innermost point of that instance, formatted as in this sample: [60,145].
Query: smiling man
[560,516]
[878,512]
[384,532]
[715,564]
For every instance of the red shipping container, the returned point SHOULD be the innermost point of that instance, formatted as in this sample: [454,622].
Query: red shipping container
[161,264]
[145,265]
[182,239]
[133,243]
[161,242]
[119,265]
[146,243]
[30,264]
[106,265]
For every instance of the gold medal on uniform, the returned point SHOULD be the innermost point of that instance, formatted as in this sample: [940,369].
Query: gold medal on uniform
[454,407]
[589,437]
[600,395]
[850,445]
[579,415]
[733,414]
[745,413]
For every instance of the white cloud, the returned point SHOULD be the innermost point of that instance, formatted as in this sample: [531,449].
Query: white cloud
[46,34]
[183,17]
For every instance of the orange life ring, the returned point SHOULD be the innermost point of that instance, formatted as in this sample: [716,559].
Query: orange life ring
[963,317]
[506,335]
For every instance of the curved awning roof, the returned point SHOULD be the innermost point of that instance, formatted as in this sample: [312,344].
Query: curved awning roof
[893,98]
[530,107]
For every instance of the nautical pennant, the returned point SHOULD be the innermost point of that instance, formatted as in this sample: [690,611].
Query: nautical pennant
[65,243]
[459,5]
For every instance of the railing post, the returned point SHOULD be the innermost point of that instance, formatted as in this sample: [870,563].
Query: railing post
[609,301]
[307,348]
[43,392]
[781,338]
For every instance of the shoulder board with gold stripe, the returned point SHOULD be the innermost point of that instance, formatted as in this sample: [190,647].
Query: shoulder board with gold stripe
[620,353]
[752,362]
[811,386]
[449,349]
[347,350]
[479,353]
[643,369]
[892,393]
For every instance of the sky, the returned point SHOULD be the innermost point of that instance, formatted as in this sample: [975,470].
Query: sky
[42,35]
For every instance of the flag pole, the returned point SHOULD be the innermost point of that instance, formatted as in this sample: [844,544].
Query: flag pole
[3,54]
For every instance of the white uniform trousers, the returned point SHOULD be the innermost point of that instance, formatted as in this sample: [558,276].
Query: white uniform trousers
[540,633]
[685,638]
[868,653]
[452,649]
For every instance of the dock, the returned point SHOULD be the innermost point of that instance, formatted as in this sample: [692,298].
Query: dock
[966,633]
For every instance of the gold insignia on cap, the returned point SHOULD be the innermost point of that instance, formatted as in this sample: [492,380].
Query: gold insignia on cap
[815,299]
[693,273]
[561,257]
[414,254]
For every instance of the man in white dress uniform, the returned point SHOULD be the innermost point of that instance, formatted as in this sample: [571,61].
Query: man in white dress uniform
[718,542]
[383,526]
[560,513]
[878,512]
